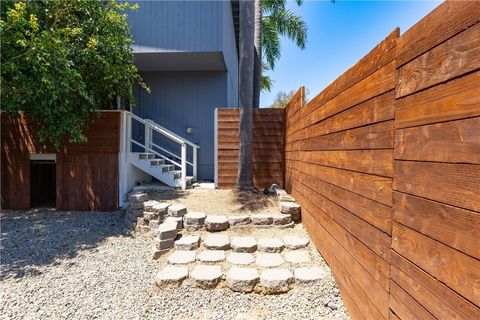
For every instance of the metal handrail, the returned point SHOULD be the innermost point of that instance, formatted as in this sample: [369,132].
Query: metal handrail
[170,153]
[150,126]
[155,152]
[165,131]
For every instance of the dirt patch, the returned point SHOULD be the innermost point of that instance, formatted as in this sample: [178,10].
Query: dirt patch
[213,201]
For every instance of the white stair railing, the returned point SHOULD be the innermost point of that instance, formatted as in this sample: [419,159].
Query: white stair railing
[149,146]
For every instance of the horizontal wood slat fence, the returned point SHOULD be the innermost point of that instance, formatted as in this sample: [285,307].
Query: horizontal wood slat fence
[386,165]
[268,147]
[86,173]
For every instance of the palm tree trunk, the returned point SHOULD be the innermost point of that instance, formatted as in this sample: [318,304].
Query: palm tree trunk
[258,54]
[245,173]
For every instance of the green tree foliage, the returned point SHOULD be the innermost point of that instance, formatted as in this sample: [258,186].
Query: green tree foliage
[279,21]
[283,97]
[63,60]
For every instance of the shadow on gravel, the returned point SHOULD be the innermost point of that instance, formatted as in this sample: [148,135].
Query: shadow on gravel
[251,201]
[30,239]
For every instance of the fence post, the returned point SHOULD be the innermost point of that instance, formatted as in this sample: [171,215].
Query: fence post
[148,135]
[129,134]
[184,166]
[194,163]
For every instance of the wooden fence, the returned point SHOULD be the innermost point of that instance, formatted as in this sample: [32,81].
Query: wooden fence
[267,147]
[86,174]
[386,164]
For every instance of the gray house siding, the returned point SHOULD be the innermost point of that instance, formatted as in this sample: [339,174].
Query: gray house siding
[160,26]
[181,100]
[230,53]
[186,53]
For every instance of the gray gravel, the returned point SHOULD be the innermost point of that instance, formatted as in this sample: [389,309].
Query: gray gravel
[59,265]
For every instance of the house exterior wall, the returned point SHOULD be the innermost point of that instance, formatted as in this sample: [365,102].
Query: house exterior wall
[181,100]
[230,54]
[186,53]
[166,26]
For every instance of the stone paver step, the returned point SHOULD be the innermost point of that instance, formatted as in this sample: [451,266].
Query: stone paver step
[181,257]
[148,205]
[205,276]
[164,244]
[194,220]
[171,276]
[276,280]
[244,244]
[176,220]
[242,279]
[294,243]
[281,219]
[188,243]
[216,223]
[177,210]
[262,219]
[240,258]
[138,198]
[269,260]
[211,256]
[270,245]
[217,242]
[237,221]
[308,275]
[161,208]
[289,207]
[167,230]
[299,256]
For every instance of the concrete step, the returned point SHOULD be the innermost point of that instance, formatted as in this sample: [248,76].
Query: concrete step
[167,167]
[157,162]
[146,156]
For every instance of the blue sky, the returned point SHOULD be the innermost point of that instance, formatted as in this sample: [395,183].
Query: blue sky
[339,34]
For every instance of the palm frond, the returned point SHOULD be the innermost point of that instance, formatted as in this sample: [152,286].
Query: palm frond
[269,6]
[270,41]
[292,26]
[266,83]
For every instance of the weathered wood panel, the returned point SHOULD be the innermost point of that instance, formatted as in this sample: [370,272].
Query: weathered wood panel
[339,166]
[448,19]
[453,100]
[453,141]
[441,301]
[395,151]
[268,146]
[15,184]
[405,306]
[436,218]
[449,183]
[455,227]
[448,60]
[87,182]
[87,173]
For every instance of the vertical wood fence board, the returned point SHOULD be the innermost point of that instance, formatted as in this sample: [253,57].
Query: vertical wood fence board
[86,173]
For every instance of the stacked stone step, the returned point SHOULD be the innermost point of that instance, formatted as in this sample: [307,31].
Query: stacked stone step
[154,214]
[287,204]
[134,209]
[166,234]
[170,222]
[194,221]
[242,277]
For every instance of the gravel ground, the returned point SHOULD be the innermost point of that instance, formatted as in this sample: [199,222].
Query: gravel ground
[59,265]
